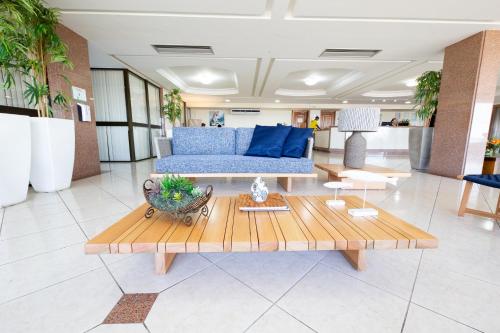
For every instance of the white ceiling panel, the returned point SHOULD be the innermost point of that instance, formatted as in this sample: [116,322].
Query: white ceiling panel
[445,10]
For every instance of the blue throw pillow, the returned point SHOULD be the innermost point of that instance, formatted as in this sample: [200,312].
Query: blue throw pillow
[268,141]
[296,142]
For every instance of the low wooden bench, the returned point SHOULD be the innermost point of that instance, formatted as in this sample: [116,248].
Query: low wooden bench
[310,225]
[284,179]
[463,209]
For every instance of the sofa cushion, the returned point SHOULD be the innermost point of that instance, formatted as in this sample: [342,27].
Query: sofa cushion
[203,141]
[232,164]
[243,139]
[268,141]
[296,142]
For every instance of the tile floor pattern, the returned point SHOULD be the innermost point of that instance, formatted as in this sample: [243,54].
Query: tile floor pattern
[47,284]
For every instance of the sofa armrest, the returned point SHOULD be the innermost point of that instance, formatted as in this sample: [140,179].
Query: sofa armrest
[163,146]
[309,148]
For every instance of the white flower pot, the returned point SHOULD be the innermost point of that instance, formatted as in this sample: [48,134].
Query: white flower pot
[15,158]
[53,153]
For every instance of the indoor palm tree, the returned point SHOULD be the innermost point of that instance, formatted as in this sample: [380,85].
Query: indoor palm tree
[28,44]
[426,95]
[172,108]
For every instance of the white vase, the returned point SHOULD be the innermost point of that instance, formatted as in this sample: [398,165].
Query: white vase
[53,153]
[15,158]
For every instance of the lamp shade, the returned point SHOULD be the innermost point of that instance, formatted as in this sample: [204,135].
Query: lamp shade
[359,119]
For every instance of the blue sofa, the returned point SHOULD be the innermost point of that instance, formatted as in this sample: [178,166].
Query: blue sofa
[219,152]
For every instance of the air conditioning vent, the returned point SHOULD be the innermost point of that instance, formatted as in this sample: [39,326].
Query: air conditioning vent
[245,111]
[183,49]
[348,53]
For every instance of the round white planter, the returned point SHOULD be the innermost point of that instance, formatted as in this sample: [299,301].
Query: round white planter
[15,158]
[53,153]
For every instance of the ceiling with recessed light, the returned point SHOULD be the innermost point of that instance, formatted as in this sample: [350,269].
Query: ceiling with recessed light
[268,50]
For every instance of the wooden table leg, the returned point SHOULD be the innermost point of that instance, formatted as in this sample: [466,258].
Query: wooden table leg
[286,183]
[356,258]
[163,261]
[465,198]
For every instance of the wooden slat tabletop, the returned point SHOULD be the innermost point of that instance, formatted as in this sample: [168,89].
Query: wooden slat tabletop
[310,225]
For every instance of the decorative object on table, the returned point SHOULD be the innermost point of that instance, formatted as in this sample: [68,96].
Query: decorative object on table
[366,177]
[216,118]
[336,186]
[177,197]
[357,120]
[492,147]
[259,190]
[274,202]
[420,138]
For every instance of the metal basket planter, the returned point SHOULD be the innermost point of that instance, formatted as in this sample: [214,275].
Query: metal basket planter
[180,211]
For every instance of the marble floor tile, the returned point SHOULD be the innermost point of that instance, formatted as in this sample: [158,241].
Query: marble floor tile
[136,274]
[421,320]
[460,297]
[392,271]
[210,301]
[26,246]
[276,320]
[330,301]
[270,274]
[34,273]
[75,305]
[14,227]
[119,328]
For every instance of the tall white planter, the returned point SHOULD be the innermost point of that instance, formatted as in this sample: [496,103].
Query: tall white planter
[53,153]
[15,158]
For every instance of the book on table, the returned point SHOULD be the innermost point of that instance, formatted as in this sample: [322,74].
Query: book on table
[274,202]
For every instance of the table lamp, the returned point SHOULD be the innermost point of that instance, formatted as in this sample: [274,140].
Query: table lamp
[357,120]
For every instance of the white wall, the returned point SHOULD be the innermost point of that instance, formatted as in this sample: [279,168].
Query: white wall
[265,117]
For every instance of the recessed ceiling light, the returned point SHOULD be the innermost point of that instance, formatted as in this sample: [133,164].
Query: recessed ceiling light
[383,100]
[411,83]
[345,102]
[277,101]
[311,80]
[407,102]
[228,100]
[395,100]
[205,78]
[373,100]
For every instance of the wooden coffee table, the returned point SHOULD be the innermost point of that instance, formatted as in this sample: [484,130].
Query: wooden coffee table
[309,226]
[335,173]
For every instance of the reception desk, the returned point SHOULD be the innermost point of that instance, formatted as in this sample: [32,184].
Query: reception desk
[390,140]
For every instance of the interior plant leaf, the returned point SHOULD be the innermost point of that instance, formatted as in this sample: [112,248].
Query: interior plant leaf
[426,95]
[173,105]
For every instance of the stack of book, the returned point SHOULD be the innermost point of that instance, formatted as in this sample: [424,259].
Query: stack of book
[274,202]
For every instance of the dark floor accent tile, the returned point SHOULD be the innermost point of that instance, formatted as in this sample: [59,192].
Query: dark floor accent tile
[131,308]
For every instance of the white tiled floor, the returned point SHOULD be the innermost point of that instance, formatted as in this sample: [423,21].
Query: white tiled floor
[47,284]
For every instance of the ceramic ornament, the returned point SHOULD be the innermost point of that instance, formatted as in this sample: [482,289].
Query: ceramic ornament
[366,177]
[336,186]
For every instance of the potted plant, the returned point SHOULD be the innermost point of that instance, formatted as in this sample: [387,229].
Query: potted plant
[29,45]
[420,138]
[172,108]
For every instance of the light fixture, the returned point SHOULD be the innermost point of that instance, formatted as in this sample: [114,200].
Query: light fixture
[345,102]
[388,93]
[411,83]
[311,80]
[395,100]
[373,100]
[228,100]
[408,102]
[205,78]
[277,101]
[383,100]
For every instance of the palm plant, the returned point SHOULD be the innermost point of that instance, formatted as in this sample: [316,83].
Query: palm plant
[426,95]
[28,44]
[173,105]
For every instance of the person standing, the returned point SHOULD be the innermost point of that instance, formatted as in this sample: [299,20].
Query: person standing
[314,124]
